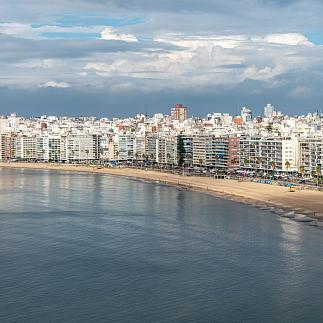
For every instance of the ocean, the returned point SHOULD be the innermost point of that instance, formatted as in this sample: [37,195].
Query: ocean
[81,247]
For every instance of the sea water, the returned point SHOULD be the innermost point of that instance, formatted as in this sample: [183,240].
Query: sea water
[78,247]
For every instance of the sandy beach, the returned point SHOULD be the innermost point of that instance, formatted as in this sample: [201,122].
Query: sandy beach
[305,202]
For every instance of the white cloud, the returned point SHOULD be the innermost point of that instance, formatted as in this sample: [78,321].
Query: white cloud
[110,33]
[16,29]
[194,42]
[30,32]
[54,84]
[41,64]
[201,61]
[292,39]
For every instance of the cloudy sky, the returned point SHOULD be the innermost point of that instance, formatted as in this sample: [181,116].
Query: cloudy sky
[114,57]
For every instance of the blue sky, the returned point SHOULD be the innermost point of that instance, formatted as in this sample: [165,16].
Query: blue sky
[107,57]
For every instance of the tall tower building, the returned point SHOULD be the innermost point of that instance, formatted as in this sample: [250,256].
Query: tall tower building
[269,110]
[246,114]
[179,112]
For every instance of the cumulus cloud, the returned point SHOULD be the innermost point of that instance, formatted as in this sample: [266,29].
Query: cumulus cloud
[54,84]
[110,33]
[185,46]
[291,39]
[194,42]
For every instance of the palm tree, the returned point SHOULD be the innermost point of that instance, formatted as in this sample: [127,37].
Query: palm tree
[234,161]
[258,162]
[87,154]
[152,159]
[101,155]
[168,156]
[318,174]
[273,166]
[43,154]
[287,165]
[246,162]
[302,170]
[117,155]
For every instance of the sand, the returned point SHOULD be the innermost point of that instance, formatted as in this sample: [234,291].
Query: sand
[305,202]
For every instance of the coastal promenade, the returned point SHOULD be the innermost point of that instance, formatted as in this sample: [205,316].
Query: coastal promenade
[305,202]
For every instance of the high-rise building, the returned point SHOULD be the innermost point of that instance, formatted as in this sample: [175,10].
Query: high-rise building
[179,113]
[246,114]
[269,110]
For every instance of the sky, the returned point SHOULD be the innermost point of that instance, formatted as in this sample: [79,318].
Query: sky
[119,58]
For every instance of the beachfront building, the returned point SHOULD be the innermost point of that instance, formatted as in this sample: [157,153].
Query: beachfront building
[151,147]
[200,150]
[267,154]
[42,148]
[185,150]
[310,154]
[82,147]
[140,148]
[25,147]
[126,147]
[221,153]
[218,141]
[104,147]
[113,151]
[6,146]
[279,154]
[167,151]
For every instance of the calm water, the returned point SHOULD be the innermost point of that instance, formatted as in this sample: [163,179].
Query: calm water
[93,248]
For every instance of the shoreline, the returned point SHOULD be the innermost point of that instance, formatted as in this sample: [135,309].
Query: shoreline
[301,206]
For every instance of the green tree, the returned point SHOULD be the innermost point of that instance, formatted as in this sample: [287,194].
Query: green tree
[302,170]
[273,166]
[258,162]
[246,162]
[287,165]
[318,173]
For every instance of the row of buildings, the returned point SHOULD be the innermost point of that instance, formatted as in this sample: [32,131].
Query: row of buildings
[273,142]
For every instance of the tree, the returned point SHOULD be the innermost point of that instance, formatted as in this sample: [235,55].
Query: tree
[287,165]
[273,166]
[246,162]
[258,162]
[302,170]
[318,174]
[101,155]
[43,154]
[87,153]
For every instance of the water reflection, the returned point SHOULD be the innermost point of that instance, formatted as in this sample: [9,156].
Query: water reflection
[105,248]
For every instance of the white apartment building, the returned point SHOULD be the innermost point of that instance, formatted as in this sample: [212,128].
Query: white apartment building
[310,154]
[25,147]
[82,147]
[167,150]
[140,147]
[126,147]
[281,154]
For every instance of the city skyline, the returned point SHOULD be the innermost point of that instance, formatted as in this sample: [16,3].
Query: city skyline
[221,142]
[267,110]
[104,57]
